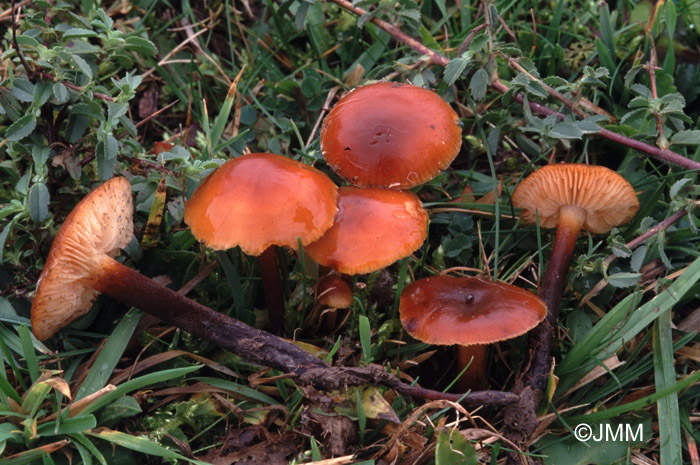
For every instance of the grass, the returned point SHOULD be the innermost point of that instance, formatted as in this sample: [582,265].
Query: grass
[260,77]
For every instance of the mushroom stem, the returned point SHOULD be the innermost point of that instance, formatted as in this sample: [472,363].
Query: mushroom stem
[133,288]
[571,220]
[272,283]
[476,357]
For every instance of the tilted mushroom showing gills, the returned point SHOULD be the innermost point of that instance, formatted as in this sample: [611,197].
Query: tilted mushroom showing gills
[374,228]
[572,197]
[390,135]
[260,201]
[93,233]
[468,312]
[81,265]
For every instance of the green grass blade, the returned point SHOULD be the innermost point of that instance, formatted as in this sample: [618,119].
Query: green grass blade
[365,338]
[138,383]
[109,356]
[621,324]
[78,424]
[642,403]
[140,444]
[234,283]
[239,389]
[25,337]
[664,377]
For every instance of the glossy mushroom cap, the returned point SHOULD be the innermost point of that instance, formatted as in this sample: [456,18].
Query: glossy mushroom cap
[259,200]
[374,228]
[603,196]
[447,310]
[98,226]
[334,292]
[390,135]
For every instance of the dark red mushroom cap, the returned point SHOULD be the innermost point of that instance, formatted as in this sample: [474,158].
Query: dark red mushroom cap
[449,310]
[390,135]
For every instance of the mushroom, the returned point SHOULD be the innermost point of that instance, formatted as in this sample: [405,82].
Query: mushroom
[572,197]
[470,313]
[260,201]
[374,228]
[81,265]
[390,135]
[333,294]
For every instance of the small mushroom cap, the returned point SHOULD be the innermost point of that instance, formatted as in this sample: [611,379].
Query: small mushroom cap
[607,198]
[448,310]
[333,291]
[259,200]
[374,228]
[99,225]
[390,135]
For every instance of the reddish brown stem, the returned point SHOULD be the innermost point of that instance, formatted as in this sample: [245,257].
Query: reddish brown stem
[476,357]
[133,288]
[552,283]
[274,294]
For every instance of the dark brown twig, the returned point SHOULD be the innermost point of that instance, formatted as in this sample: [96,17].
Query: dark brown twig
[28,70]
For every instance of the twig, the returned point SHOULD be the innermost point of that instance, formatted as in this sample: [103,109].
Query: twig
[29,71]
[634,243]
[440,60]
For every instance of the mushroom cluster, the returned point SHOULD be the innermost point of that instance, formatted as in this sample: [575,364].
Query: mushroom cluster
[376,140]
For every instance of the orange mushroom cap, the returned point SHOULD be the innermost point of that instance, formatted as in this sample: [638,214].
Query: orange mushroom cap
[374,228]
[606,197]
[99,225]
[390,135]
[448,310]
[259,200]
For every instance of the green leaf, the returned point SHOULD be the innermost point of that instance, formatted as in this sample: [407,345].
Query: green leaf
[23,90]
[579,323]
[21,128]
[140,45]
[38,202]
[624,279]
[565,131]
[74,32]
[42,92]
[677,186]
[116,110]
[82,65]
[452,449]
[687,137]
[479,83]
[454,69]
[60,93]
[122,408]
